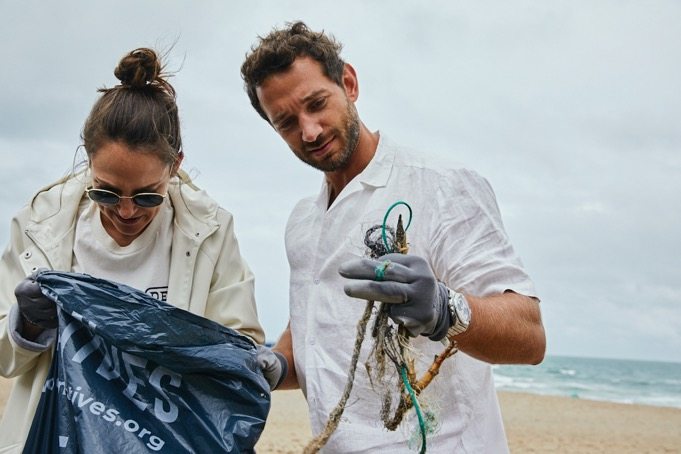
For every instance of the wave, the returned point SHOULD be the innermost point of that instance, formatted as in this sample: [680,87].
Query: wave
[621,381]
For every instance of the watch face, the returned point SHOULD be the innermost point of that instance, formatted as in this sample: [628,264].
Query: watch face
[462,309]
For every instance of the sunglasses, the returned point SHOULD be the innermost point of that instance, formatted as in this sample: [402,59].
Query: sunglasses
[143,199]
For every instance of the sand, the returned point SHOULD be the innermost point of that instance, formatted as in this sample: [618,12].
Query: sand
[534,424]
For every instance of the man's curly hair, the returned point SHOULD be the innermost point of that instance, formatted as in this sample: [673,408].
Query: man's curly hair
[276,52]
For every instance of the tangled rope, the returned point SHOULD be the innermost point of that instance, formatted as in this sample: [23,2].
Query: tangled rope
[391,345]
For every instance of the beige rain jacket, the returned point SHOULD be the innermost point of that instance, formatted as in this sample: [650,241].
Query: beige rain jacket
[208,277]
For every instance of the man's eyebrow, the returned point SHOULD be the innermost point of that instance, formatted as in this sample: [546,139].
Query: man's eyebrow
[314,94]
[278,118]
[283,115]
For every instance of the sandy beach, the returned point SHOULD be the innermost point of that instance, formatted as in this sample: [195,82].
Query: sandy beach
[534,424]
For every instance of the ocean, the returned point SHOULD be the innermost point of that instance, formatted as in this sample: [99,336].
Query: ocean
[613,380]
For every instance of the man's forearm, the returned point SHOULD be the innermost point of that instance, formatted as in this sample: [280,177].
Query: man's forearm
[505,329]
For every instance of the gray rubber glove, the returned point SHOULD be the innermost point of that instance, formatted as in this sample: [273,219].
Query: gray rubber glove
[273,366]
[417,300]
[34,307]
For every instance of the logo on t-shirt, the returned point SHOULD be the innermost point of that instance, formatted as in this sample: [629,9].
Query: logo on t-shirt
[160,293]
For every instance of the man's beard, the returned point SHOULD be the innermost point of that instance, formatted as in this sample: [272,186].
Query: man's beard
[349,135]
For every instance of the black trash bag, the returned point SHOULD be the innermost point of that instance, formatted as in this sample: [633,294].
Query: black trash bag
[135,375]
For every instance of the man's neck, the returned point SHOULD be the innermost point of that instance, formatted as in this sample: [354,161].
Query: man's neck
[366,149]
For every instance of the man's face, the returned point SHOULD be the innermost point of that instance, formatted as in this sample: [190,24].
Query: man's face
[315,117]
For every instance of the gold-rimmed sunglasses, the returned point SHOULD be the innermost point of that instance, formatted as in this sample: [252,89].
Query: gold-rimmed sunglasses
[143,199]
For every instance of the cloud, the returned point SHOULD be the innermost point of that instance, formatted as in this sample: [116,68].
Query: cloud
[569,109]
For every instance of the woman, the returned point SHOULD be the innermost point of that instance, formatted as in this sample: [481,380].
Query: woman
[132,217]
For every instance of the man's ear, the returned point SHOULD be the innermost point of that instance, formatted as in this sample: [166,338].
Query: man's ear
[350,82]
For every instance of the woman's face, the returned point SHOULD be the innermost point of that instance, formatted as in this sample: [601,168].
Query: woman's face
[118,168]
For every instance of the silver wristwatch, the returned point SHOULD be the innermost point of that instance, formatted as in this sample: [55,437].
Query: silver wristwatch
[460,312]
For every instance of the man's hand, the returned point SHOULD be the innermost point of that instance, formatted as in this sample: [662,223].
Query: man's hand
[273,366]
[34,307]
[416,299]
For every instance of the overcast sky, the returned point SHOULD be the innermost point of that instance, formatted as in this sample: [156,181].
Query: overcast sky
[571,109]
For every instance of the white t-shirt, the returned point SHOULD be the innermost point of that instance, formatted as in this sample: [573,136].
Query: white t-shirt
[143,264]
[457,228]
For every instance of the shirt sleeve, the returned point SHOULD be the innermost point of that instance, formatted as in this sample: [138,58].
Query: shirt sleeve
[471,251]
[231,301]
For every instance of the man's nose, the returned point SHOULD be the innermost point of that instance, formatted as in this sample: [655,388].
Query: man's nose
[310,128]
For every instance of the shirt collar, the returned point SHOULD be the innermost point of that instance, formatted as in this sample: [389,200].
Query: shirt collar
[375,174]
[378,170]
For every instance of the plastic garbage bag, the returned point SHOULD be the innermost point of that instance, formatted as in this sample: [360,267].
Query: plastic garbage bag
[135,375]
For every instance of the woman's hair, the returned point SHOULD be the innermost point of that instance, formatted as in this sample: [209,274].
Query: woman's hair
[140,112]
[276,52]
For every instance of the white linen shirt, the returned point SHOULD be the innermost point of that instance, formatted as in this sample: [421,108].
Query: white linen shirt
[457,228]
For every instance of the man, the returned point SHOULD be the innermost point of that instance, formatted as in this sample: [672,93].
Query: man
[460,278]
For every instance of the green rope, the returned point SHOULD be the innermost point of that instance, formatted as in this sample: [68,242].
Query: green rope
[417,407]
[403,369]
[385,219]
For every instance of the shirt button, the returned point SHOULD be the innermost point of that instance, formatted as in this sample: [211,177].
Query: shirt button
[312,341]
[27,254]
[316,281]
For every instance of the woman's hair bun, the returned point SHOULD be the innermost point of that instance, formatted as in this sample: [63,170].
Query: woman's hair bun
[138,68]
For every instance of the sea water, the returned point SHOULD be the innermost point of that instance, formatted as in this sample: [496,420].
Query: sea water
[613,380]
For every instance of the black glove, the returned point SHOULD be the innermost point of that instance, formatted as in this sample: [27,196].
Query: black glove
[34,307]
[273,366]
[417,300]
